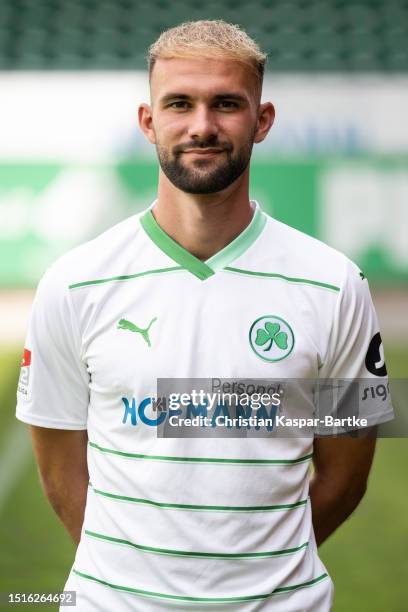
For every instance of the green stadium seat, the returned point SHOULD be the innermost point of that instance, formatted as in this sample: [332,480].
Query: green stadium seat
[398,61]
[310,35]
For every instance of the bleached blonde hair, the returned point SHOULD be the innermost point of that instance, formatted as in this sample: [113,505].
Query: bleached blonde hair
[209,38]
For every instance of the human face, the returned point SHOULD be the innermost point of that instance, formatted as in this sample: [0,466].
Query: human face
[204,121]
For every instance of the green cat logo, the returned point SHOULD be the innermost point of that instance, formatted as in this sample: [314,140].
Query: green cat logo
[125,324]
[271,338]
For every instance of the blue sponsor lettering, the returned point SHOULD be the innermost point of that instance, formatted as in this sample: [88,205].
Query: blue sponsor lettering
[130,410]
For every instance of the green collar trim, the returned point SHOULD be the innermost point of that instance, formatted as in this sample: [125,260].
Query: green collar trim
[240,244]
[172,248]
[220,260]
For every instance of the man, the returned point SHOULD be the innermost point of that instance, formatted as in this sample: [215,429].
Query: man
[200,285]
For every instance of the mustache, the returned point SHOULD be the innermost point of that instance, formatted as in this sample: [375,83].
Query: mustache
[204,144]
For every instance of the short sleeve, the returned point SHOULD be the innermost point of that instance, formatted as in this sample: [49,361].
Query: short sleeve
[355,357]
[53,388]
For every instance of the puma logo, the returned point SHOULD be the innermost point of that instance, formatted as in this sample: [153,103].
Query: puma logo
[125,324]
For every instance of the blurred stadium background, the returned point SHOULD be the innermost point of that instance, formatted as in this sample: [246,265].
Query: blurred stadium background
[73,162]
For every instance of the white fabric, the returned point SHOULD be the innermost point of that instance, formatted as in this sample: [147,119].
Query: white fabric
[83,365]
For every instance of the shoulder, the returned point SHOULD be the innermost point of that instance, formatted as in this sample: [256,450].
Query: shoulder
[100,257]
[300,256]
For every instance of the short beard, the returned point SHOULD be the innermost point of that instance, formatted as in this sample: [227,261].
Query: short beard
[217,177]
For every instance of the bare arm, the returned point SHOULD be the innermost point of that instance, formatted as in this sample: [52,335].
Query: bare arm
[341,467]
[62,464]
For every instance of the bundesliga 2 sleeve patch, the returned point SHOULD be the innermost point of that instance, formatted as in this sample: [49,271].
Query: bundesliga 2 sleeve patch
[24,378]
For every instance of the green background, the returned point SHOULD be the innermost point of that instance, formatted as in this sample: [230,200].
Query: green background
[289,189]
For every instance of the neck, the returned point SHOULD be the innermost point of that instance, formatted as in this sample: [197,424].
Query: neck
[203,224]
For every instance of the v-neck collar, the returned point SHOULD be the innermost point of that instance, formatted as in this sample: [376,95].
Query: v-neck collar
[220,260]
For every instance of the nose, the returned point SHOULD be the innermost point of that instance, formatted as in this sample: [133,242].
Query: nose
[203,125]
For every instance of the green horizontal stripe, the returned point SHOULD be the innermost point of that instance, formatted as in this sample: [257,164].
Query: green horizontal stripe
[202,459]
[126,277]
[206,555]
[210,600]
[302,585]
[149,502]
[289,279]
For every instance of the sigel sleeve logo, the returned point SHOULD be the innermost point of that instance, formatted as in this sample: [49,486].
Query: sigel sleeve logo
[374,360]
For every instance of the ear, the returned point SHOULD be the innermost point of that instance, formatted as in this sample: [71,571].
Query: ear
[266,117]
[145,117]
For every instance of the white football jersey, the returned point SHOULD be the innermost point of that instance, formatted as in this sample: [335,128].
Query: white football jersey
[199,522]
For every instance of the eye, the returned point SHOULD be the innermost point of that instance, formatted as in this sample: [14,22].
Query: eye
[179,104]
[227,104]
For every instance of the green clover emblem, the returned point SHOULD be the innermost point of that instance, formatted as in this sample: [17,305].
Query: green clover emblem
[271,338]
[269,334]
